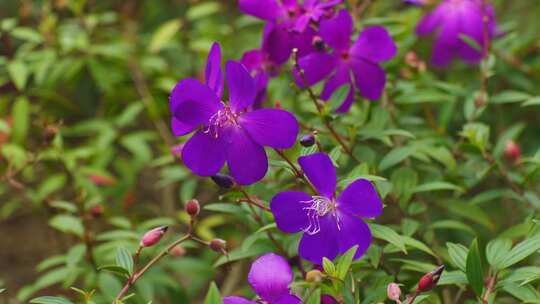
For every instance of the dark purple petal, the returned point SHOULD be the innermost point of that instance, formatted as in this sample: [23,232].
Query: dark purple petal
[321,172]
[237,300]
[204,154]
[340,77]
[328,299]
[213,74]
[347,102]
[277,43]
[473,27]
[303,41]
[242,87]
[337,31]
[316,66]
[271,127]
[322,244]
[270,276]
[361,199]
[442,53]
[375,44]
[193,103]
[263,9]
[301,23]
[287,208]
[179,128]
[246,159]
[430,22]
[253,59]
[369,79]
[288,299]
[353,231]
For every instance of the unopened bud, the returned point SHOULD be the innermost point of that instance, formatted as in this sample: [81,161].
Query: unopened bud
[222,180]
[218,245]
[314,276]
[101,180]
[177,251]
[97,210]
[318,43]
[50,132]
[153,236]
[192,207]
[429,280]
[328,299]
[393,291]
[176,150]
[512,151]
[307,140]
[277,104]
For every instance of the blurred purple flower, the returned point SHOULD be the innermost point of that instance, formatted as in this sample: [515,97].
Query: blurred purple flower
[227,131]
[356,64]
[331,224]
[270,276]
[328,299]
[452,19]
[416,2]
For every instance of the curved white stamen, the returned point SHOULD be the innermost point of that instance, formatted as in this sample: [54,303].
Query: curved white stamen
[220,119]
[319,206]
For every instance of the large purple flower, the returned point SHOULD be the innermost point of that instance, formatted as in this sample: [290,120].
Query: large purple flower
[452,19]
[227,131]
[331,224]
[270,276]
[356,64]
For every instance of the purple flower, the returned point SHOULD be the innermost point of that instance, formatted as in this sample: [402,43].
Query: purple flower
[270,276]
[331,224]
[416,2]
[227,131]
[356,64]
[452,19]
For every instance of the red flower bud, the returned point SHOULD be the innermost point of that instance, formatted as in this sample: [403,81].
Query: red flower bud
[393,292]
[218,245]
[177,251]
[429,280]
[101,180]
[512,151]
[193,208]
[153,236]
[97,210]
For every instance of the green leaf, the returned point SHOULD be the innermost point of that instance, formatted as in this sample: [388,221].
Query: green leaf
[337,97]
[471,42]
[497,250]
[510,97]
[345,262]
[18,71]
[164,34]
[533,101]
[124,259]
[50,300]
[224,208]
[21,119]
[435,186]
[67,224]
[329,267]
[458,255]
[115,269]
[475,274]
[314,297]
[202,10]
[389,235]
[395,156]
[521,251]
[451,224]
[213,296]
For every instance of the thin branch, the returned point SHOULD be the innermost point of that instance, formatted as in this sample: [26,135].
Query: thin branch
[297,172]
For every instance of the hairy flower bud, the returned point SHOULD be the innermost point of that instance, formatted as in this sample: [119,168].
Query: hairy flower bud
[176,150]
[307,140]
[393,291]
[193,207]
[222,180]
[153,236]
[177,251]
[314,276]
[218,245]
[512,152]
[429,280]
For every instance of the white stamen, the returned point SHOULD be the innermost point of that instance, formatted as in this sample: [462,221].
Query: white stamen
[319,206]
[218,120]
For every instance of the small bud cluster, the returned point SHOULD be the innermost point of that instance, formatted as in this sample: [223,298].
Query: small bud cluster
[426,283]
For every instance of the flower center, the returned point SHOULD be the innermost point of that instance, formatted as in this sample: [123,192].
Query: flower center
[221,119]
[345,55]
[318,207]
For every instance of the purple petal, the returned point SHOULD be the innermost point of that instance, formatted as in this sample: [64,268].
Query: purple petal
[214,75]
[322,244]
[277,43]
[246,159]
[369,79]
[287,208]
[361,199]
[316,66]
[253,59]
[271,127]
[347,103]
[472,27]
[328,299]
[337,31]
[288,299]
[321,172]
[179,128]
[263,9]
[204,154]
[304,41]
[193,103]
[430,22]
[270,276]
[237,300]
[340,77]
[242,87]
[353,231]
[442,53]
[375,44]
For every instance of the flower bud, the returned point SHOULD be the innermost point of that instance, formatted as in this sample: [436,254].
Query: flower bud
[153,236]
[193,208]
[512,151]
[222,180]
[177,251]
[318,43]
[314,276]
[429,280]
[393,291]
[176,150]
[328,299]
[218,245]
[277,104]
[97,210]
[101,180]
[307,140]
